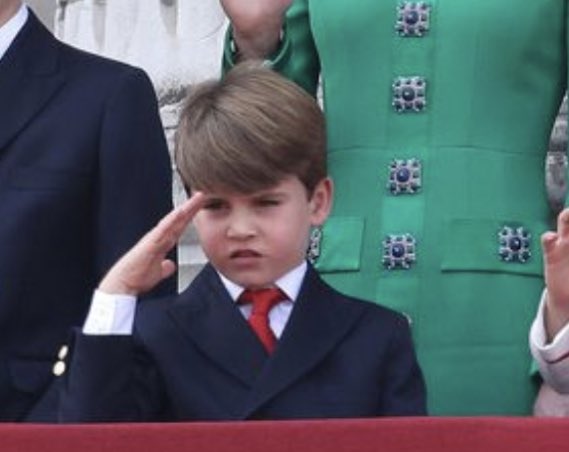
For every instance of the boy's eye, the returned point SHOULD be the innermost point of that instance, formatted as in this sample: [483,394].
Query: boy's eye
[214,204]
[268,202]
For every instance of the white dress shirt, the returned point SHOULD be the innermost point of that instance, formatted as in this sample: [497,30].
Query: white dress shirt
[10,29]
[553,357]
[114,314]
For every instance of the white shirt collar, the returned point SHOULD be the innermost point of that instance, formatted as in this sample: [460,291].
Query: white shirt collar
[289,283]
[10,29]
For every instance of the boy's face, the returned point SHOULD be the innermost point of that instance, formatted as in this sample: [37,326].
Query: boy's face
[255,239]
[8,9]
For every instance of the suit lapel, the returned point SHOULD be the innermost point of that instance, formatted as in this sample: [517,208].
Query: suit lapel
[208,316]
[28,77]
[320,319]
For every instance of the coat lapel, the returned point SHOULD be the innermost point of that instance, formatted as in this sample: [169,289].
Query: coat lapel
[28,77]
[319,321]
[209,318]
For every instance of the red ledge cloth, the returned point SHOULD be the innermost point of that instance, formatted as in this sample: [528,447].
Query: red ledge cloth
[474,434]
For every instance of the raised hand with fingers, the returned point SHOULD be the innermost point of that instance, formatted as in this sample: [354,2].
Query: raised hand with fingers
[256,25]
[146,264]
[556,261]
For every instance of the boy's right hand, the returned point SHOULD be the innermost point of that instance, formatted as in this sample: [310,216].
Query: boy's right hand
[556,260]
[146,264]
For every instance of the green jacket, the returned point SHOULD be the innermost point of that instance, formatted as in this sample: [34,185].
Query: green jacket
[455,178]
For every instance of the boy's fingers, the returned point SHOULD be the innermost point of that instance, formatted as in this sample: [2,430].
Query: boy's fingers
[168,268]
[186,212]
[168,231]
[177,221]
[172,226]
[193,204]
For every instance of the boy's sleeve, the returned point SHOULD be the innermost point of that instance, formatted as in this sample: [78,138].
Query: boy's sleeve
[404,391]
[296,58]
[110,378]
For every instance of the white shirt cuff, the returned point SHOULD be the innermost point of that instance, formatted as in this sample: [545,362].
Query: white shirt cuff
[110,314]
[552,357]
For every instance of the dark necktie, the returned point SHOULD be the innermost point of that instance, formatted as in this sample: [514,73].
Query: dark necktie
[262,301]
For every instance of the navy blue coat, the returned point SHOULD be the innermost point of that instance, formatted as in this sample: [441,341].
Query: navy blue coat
[84,172]
[195,358]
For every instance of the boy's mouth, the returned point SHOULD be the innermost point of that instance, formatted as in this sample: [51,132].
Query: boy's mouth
[242,254]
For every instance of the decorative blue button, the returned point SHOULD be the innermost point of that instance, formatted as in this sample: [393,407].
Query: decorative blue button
[413,19]
[514,244]
[398,251]
[314,245]
[404,177]
[409,94]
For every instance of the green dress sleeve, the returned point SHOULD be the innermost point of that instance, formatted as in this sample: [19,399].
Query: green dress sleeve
[296,58]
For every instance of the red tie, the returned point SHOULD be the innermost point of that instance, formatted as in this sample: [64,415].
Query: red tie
[262,300]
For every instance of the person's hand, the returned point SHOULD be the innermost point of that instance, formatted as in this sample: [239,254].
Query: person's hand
[556,260]
[145,264]
[256,25]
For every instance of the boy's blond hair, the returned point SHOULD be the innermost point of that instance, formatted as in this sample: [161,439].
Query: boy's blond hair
[248,131]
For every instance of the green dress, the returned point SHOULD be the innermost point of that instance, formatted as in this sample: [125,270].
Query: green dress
[439,115]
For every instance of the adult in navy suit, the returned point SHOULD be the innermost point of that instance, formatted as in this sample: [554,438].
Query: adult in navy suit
[207,354]
[84,171]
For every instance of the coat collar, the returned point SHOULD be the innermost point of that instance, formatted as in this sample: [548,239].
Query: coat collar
[29,77]
[321,318]
[208,315]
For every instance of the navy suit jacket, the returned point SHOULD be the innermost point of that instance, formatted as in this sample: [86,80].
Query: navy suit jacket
[84,172]
[195,358]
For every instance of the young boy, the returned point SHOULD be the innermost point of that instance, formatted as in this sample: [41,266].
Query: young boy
[253,145]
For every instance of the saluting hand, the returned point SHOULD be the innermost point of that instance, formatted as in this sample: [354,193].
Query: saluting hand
[146,264]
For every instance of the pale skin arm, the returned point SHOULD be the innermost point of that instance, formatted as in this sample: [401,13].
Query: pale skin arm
[146,264]
[556,260]
[257,25]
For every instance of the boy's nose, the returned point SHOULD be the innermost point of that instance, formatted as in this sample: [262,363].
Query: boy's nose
[241,226]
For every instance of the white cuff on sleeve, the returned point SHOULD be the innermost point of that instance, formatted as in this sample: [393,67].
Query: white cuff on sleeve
[110,314]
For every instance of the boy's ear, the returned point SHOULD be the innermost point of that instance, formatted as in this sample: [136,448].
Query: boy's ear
[321,201]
